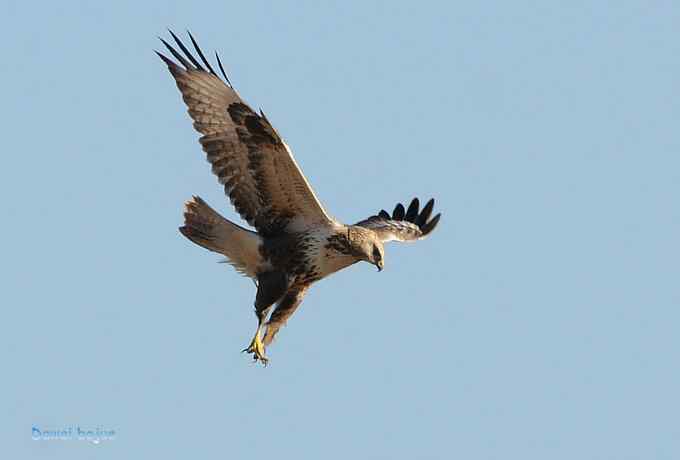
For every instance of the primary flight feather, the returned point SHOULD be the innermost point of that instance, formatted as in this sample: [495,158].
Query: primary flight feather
[296,242]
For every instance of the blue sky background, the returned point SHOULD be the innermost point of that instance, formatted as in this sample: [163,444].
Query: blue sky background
[540,321]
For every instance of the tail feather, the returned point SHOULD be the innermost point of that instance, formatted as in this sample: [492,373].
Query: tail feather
[201,224]
[207,228]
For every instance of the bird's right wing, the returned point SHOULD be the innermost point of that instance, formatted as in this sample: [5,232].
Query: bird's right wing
[257,169]
[403,225]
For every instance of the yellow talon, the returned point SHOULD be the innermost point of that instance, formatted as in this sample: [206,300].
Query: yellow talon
[256,347]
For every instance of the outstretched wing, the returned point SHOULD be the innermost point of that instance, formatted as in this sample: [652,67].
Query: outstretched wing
[257,169]
[403,225]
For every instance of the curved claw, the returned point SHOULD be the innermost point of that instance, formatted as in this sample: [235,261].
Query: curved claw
[256,347]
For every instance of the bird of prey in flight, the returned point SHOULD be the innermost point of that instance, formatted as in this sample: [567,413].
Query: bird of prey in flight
[296,242]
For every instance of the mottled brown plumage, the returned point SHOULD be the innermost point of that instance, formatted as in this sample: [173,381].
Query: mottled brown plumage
[296,242]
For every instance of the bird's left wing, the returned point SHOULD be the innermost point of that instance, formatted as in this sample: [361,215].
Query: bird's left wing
[257,169]
[403,224]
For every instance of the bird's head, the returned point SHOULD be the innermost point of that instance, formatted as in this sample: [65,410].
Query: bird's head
[366,246]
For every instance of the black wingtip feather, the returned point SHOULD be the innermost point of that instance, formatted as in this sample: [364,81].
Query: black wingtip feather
[384,214]
[222,69]
[428,227]
[192,63]
[165,59]
[200,53]
[398,213]
[186,52]
[412,211]
[425,213]
[177,56]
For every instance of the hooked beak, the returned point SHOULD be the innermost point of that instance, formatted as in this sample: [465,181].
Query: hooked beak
[380,264]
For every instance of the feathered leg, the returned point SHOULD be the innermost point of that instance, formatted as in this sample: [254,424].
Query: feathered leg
[284,310]
[271,286]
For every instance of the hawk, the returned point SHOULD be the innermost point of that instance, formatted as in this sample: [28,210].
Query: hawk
[296,242]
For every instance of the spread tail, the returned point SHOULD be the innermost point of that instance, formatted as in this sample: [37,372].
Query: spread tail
[207,228]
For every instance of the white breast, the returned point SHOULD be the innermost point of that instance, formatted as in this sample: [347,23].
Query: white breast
[333,261]
[327,259]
